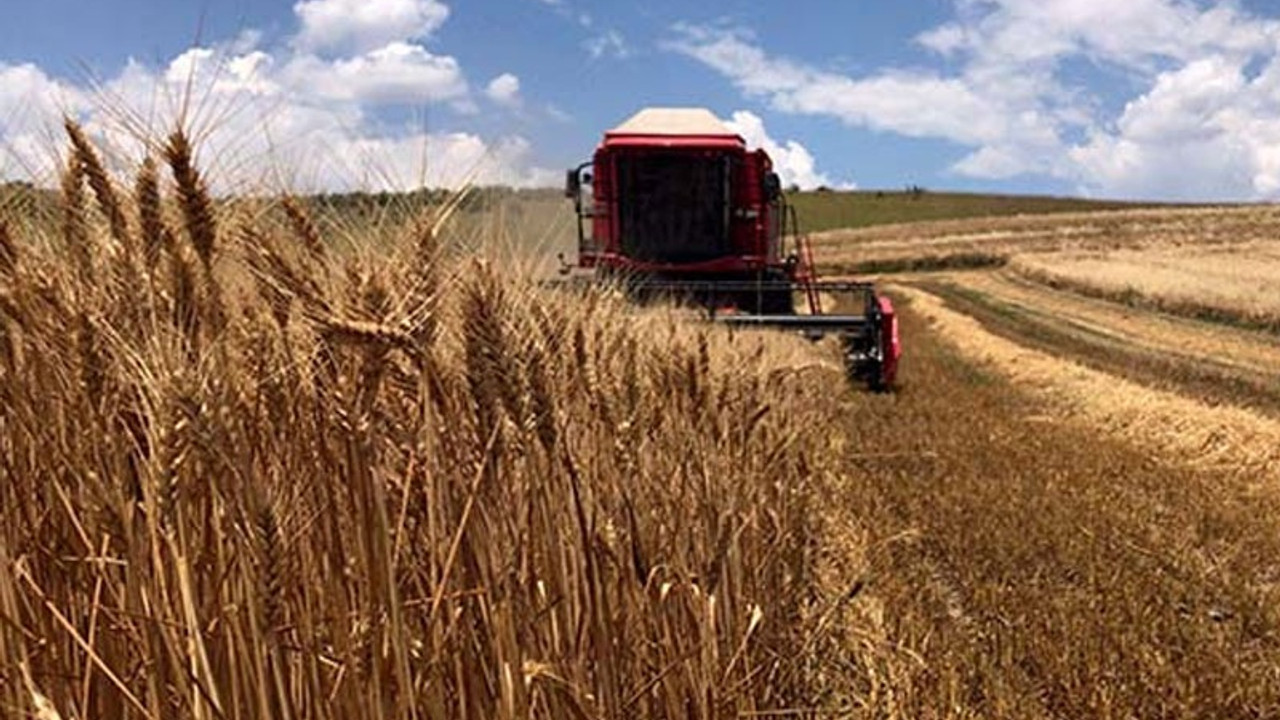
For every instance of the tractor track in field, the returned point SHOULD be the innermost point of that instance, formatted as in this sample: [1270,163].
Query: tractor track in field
[1034,561]
[1212,363]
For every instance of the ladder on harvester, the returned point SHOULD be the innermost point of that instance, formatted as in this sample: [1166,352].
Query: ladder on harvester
[806,273]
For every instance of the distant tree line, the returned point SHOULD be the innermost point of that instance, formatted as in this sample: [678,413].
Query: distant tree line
[16,194]
[384,203]
[915,191]
[23,198]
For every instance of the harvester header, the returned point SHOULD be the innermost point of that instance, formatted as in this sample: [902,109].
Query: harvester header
[674,204]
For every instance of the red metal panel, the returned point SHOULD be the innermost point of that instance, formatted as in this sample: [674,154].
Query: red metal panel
[770,212]
[889,340]
[602,214]
[747,235]
[753,218]
[730,264]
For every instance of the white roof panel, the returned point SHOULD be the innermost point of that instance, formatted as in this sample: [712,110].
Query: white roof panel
[673,121]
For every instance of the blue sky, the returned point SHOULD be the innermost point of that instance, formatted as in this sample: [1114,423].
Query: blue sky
[1171,99]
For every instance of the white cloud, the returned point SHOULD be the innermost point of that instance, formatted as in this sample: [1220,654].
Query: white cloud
[397,73]
[1201,132]
[28,96]
[272,117]
[1133,34]
[1204,122]
[364,25]
[210,68]
[436,160]
[792,161]
[504,90]
[29,101]
[914,104]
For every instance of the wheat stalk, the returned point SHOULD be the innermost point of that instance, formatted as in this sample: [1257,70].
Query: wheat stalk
[75,226]
[92,169]
[305,229]
[193,198]
[155,236]
[8,252]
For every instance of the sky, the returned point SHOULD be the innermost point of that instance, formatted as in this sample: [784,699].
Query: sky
[1138,99]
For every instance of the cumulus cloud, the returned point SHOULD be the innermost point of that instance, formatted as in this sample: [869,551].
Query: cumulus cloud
[209,68]
[504,90]
[262,128]
[1200,124]
[792,161]
[364,25]
[1202,132]
[432,159]
[28,96]
[914,104]
[370,51]
[28,100]
[285,116]
[397,73]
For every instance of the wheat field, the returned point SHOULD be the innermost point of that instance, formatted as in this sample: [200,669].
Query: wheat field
[1217,263]
[994,241]
[1237,283]
[1072,498]
[263,459]
[256,462]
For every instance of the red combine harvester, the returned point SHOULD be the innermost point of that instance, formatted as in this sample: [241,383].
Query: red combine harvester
[679,207]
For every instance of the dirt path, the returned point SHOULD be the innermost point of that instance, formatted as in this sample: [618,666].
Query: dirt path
[1049,541]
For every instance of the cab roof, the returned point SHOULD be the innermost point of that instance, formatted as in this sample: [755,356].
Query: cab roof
[681,125]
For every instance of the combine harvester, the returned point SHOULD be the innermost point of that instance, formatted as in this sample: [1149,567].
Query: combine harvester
[678,207]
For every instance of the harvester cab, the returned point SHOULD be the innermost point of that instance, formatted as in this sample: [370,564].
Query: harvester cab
[675,205]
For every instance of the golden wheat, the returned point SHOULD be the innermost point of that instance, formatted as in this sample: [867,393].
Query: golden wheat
[983,242]
[390,483]
[1239,283]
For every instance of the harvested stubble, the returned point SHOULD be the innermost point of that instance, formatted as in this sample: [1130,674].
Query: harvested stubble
[1051,554]
[1236,284]
[1211,362]
[243,475]
[976,242]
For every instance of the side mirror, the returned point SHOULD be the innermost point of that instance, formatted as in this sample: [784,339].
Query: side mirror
[772,187]
[572,184]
